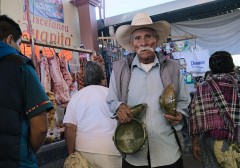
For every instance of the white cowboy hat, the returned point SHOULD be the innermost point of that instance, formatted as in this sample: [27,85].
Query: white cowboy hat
[142,20]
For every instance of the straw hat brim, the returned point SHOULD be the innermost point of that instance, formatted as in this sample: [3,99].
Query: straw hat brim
[124,32]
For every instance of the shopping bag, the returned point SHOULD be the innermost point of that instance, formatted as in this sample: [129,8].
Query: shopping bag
[229,157]
[76,160]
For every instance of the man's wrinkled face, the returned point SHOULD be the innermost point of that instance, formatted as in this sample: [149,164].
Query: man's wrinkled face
[143,42]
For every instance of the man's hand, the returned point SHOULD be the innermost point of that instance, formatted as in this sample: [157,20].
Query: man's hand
[174,119]
[124,114]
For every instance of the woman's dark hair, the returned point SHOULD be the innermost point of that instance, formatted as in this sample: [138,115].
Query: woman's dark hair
[9,27]
[221,62]
[93,73]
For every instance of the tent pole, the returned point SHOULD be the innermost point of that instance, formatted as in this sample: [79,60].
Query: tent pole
[30,32]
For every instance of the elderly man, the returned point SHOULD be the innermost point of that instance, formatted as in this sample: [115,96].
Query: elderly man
[141,78]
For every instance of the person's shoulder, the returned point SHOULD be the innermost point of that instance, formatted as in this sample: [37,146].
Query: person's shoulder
[120,62]
[204,87]
[118,66]
[172,64]
[171,61]
[104,88]
[96,88]
[126,61]
[18,59]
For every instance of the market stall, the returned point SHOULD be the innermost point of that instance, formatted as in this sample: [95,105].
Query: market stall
[59,82]
[52,36]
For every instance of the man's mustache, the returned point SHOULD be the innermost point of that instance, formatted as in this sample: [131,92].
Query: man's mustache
[145,48]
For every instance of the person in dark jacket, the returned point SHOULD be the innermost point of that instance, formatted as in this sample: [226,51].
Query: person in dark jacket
[23,102]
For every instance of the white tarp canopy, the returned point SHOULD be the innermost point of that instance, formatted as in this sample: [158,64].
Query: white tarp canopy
[163,7]
[214,34]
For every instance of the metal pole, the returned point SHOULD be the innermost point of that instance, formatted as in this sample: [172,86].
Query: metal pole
[30,31]
[99,10]
[103,4]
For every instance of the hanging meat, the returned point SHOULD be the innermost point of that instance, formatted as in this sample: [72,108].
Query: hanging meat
[35,61]
[45,77]
[79,76]
[74,86]
[59,85]
[65,72]
[51,114]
